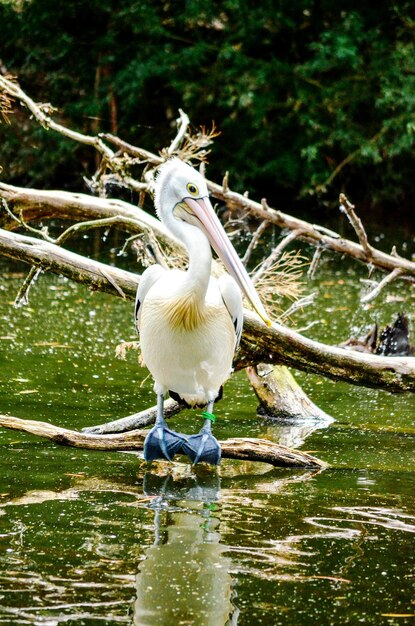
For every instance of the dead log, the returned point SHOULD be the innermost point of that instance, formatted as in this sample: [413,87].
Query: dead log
[281,397]
[282,345]
[246,449]
[37,204]
[279,344]
[52,258]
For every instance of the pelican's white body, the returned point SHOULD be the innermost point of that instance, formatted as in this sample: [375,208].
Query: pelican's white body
[188,346]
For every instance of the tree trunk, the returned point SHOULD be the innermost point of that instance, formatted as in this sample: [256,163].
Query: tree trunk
[281,397]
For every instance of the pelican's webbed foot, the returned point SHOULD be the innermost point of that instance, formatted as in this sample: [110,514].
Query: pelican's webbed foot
[203,447]
[162,443]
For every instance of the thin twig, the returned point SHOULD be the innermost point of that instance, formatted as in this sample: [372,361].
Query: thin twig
[254,241]
[298,304]
[348,208]
[113,283]
[275,254]
[22,298]
[135,151]
[42,232]
[314,262]
[225,183]
[99,223]
[183,123]
[389,278]
[154,249]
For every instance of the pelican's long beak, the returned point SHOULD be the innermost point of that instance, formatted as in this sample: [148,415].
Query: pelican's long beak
[202,209]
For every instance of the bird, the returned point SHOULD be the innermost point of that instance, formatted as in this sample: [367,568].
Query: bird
[393,340]
[190,323]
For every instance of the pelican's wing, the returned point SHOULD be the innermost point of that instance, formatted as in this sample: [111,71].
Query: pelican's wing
[232,298]
[148,279]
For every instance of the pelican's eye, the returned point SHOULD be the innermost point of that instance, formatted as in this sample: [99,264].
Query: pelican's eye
[192,189]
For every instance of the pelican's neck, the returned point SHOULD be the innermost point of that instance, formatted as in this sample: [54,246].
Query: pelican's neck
[200,261]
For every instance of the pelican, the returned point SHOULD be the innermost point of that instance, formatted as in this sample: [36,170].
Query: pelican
[190,323]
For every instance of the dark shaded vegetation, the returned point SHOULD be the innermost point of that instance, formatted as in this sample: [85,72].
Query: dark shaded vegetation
[311,98]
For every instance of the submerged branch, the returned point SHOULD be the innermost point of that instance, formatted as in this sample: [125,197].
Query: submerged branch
[259,450]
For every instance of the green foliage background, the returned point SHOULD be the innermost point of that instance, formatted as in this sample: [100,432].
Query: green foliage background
[311,97]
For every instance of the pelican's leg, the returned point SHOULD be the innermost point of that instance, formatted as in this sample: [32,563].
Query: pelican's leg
[204,446]
[161,442]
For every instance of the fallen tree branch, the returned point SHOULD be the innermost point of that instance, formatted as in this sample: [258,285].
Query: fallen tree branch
[259,450]
[314,262]
[37,204]
[135,421]
[282,345]
[41,113]
[311,233]
[50,257]
[254,241]
[348,208]
[373,293]
[279,345]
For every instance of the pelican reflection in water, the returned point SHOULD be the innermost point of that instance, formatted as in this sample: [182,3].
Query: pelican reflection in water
[185,578]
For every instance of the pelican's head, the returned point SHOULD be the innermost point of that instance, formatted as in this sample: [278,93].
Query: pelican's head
[181,195]
[176,180]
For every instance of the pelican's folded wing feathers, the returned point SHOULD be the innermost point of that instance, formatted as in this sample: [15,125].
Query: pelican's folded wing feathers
[148,279]
[232,298]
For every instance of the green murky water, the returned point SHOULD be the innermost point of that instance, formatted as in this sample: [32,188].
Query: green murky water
[99,538]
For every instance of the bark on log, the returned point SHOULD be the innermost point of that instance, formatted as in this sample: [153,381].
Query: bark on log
[282,345]
[259,450]
[277,345]
[37,204]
